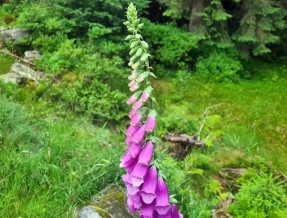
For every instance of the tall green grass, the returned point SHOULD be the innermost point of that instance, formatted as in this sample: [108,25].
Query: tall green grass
[50,166]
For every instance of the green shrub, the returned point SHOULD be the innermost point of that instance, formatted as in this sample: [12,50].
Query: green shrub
[260,196]
[218,67]
[67,57]
[171,46]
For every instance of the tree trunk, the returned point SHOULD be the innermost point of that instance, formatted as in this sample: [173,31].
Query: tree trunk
[196,21]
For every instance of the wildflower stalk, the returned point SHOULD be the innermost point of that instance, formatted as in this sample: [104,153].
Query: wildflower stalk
[147,192]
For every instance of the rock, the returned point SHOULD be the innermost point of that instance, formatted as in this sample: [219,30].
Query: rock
[89,212]
[110,203]
[2,28]
[32,55]
[222,208]
[12,78]
[27,72]
[21,73]
[14,34]
[234,172]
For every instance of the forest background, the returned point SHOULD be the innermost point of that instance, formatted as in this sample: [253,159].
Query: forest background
[61,140]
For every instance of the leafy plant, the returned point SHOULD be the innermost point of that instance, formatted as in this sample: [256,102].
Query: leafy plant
[218,67]
[262,194]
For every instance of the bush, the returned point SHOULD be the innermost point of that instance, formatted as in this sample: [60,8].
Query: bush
[218,67]
[171,46]
[260,196]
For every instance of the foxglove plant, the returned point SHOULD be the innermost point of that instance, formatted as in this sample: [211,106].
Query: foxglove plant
[146,191]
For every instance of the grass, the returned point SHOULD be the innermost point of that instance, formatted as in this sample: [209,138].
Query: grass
[253,112]
[49,165]
[5,63]
[53,162]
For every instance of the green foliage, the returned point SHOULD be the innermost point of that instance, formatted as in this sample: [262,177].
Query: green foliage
[175,118]
[52,164]
[172,46]
[260,196]
[260,26]
[5,63]
[67,57]
[218,67]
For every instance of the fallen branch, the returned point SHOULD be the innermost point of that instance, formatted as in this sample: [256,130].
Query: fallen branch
[17,57]
[184,139]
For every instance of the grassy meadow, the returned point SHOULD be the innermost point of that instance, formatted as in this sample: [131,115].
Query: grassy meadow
[54,160]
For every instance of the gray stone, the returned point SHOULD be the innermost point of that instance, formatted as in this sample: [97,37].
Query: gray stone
[111,203]
[32,55]
[89,212]
[14,34]
[12,78]
[27,72]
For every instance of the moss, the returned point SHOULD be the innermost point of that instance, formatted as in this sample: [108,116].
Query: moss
[111,202]
[5,63]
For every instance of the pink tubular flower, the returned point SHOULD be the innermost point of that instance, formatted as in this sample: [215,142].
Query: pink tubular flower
[131,130]
[138,105]
[134,87]
[127,160]
[132,113]
[146,154]
[142,77]
[131,206]
[149,187]
[128,140]
[130,188]
[132,100]
[145,96]
[139,135]
[136,119]
[138,174]
[175,213]
[131,83]
[150,124]
[147,210]
[134,149]
[162,205]
[132,76]
[168,215]
[131,167]
[136,200]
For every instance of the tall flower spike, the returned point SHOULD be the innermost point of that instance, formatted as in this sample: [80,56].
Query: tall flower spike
[162,205]
[146,192]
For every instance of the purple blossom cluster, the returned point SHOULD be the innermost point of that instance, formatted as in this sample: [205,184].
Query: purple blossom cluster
[146,191]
